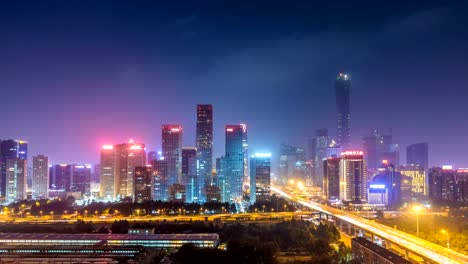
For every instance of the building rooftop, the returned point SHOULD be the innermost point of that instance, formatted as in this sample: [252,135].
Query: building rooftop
[378,250]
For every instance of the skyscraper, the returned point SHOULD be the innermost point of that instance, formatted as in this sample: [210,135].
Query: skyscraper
[292,162]
[62,177]
[108,189]
[16,178]
[128,156]
[172,152]
[160,180]
[320,145]
[40,177]
[353,177]
[190,173]
[331,178]
[447,185]
[260,181]
[81,178]
[379,146]
[118,164]
[204,143]
[234,162]
[152,155]
[418,154]
[342,92]
[143,184]
[245,153]
[10,149]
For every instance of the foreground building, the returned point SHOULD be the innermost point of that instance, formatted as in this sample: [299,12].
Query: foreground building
[14,150]
[17,179]
[418,177]
[204,146]
[143,184]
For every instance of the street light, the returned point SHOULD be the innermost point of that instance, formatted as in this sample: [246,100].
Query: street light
[448,237]
[417,209]
[300,185]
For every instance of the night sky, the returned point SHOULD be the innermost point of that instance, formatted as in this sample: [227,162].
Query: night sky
[77,74]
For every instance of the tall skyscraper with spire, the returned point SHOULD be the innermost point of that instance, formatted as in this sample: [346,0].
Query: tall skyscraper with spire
[342,91]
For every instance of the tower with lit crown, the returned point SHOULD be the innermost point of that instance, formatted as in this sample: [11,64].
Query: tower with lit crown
[342,92]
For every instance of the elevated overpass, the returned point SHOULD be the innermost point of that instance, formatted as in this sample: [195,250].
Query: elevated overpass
[430,252]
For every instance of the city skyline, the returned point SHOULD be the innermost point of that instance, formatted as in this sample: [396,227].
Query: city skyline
[281,73]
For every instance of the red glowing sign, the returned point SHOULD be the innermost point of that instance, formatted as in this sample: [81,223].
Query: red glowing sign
[352,153]
[107,147]
[385,162]
[175,129]
[229,129]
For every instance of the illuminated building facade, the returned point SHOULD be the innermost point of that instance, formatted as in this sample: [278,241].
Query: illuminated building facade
[143,184]
[331,179]
[418,179]
[40,177]
[127,157]
[234,162]
[10,149]
[342,91]
[160,180]
[17,179]
[152,156]
[395,185]
[204,145]
[353,177]
[81,178]
[260,177]
[107,186]
[172,152]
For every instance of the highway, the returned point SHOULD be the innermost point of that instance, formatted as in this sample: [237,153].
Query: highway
[420,246]
[259,216]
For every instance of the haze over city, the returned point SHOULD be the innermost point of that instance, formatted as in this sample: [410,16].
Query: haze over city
[76,75]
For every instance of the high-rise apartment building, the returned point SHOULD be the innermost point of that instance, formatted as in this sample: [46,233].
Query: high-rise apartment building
[40,177]
[353,177]
[260,177]
[172,152]
[319,145]
[342,93]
